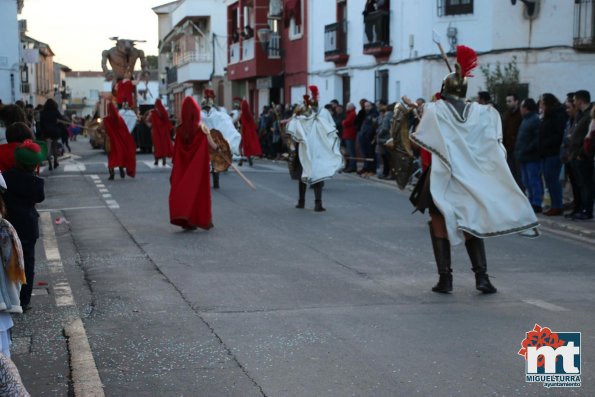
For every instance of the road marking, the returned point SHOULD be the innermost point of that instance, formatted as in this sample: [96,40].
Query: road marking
[103,190]
[85,377]
[100,185]
[107,197]
[95,178]
[545,305]
[112,203]
[74,167]
[152,165]
[91,207]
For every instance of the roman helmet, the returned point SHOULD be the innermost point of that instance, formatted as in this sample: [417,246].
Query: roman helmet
[455,83]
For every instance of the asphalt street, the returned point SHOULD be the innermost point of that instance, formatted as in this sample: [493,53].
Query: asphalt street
[278,301]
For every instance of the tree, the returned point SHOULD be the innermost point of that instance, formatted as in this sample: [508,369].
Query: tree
[503,81]
[152,62]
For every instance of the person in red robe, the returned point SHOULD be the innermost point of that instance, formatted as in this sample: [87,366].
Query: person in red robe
[125,91]
[122,148]
[161,132]
[190,194]
[250,143]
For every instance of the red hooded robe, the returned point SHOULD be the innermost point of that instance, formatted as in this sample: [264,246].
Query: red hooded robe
[122,146]
[161,131]
[250,143]
[190,194]
[7,155]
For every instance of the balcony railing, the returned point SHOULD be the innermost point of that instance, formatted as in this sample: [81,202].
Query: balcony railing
[172,75]
[192,56]
[335,38]
[248,49]
[25,88]
[234,53]
[275,46]
[584,25]
[377,29]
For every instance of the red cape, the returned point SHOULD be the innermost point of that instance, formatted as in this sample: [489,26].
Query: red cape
[122,146]
[161,131]
[124,92]
[190,194]
[250,143]
[7,160]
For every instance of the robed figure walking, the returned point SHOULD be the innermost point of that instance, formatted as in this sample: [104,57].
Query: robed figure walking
[250,144]
[161,132]
[122,148]
[190,194]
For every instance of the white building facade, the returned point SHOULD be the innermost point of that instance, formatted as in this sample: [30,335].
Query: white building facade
[553,46]
[10,81]
[192,48]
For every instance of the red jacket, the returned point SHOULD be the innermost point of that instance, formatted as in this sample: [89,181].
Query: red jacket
[349,131]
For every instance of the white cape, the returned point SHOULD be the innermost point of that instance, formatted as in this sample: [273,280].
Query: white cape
[470,181]
[221,121]
[129,117]
[319,150]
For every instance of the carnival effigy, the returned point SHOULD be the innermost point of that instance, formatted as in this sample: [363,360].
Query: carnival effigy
[122,59]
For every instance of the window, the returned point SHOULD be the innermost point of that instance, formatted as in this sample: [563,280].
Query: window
[455,7]
[381,86]
[294,17]
[295,30]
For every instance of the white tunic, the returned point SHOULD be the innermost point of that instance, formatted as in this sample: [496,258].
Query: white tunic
[470,181]
[319,150]
[220,120]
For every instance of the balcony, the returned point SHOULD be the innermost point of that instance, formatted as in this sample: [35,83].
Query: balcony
[335,43]
[248,49]
[234,53]
[584,25]
[377,34]
[274,49]
[25,88]
[192,56]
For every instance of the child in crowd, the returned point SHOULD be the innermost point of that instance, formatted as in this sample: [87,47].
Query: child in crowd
[24,190]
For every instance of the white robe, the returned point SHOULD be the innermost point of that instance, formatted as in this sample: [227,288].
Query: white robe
[319,150]
[220,120]
[470,181]
[130,118]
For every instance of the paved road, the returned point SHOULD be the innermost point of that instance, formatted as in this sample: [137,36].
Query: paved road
[276,301]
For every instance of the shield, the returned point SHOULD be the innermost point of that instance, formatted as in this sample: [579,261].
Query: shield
[399,146]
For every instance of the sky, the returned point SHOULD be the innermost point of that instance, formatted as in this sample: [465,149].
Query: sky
[78,31]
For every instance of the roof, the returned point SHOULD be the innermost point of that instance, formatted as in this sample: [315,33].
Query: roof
[165,8]
[88,73]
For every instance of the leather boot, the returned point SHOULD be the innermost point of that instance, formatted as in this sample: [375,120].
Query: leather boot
[477,254]
[302,198]
[163,161]
[215,180]
[112,174]
[318,197]
[156,161]
[122,173]
[441,248]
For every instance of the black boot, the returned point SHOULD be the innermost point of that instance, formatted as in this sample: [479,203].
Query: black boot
[441,247]
[156,161]
[112,174]
[250,163]
[215,180]
[302,199]
[122,173]
[318,197]
[477,254]
[163,161]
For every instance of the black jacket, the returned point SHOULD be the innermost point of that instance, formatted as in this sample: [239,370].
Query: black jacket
[551,132]
[48,124]
[526,148]
[24,190]
[579,131]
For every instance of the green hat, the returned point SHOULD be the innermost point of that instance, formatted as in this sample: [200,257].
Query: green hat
[28,154]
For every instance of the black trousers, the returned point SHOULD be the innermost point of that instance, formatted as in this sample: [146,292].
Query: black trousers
[29,257]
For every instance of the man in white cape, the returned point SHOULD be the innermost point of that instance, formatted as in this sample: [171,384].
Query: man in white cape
[318,151]
[218,119]
[472,193]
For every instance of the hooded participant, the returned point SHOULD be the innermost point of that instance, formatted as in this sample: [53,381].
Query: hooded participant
[122,148]
[250,144]
[190,194]
[161,132]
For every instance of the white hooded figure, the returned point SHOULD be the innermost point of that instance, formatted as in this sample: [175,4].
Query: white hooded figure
[215,118]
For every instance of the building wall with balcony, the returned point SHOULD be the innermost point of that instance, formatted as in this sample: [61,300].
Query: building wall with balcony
[84,88]
[547,57]
[10,82]
[296,43]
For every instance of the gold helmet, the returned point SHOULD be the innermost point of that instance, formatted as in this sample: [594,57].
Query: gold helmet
[455,84]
